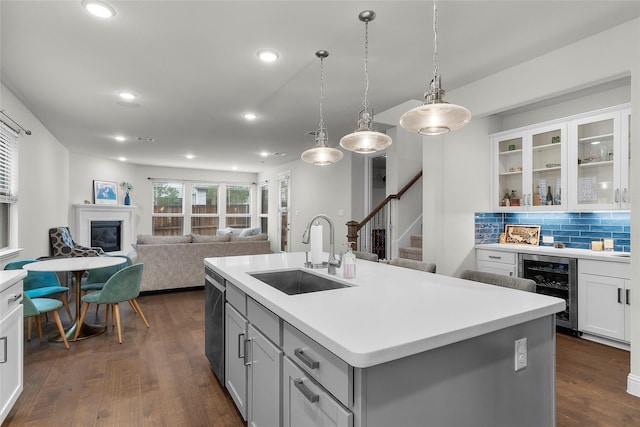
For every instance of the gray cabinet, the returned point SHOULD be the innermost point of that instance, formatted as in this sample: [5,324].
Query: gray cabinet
[264,380]
[236,356]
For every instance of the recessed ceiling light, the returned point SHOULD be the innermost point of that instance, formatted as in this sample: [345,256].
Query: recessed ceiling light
[189,156]
[250,116]
[119,138]
[235,168]
[99,9]
[122,159]
[264,154]
[126,95]
[268,55]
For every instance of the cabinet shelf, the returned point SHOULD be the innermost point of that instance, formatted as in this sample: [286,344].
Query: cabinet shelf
[555,168]
[547,147]
[511,152]
[590,139]
[511,173]
[596,164]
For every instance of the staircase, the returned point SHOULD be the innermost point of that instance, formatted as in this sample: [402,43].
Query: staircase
[414,251]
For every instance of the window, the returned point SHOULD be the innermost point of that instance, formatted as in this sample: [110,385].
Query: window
[200,208]
[204,209]
[238,207]
[263,209]
[168,209]
[8,184]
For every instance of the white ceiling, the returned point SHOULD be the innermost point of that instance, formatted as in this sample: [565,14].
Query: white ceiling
[194,66]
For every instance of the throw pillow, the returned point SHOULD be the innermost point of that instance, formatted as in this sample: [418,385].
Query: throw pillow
[235,238]
[145,239]
[223,231]
[250,232]
[201,238]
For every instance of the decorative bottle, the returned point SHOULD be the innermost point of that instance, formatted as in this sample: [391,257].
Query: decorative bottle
[127,199]
[349,264]
[549,196]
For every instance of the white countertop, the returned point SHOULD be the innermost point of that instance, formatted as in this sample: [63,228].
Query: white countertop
[623,257]
[9,277]
[389,312]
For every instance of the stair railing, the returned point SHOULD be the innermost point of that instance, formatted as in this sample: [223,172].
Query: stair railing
[371,234]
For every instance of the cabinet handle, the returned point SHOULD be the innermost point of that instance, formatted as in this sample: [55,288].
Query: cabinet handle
[494,257]
[311,397]
[313,364]
[14,298]
[246,352]
[617,196]
[4,358]
[619,295]
[628,297]
[625,196]
[241,346]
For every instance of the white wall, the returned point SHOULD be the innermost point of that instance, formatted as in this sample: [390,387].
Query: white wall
[43,179]
[314,190]
[87,168]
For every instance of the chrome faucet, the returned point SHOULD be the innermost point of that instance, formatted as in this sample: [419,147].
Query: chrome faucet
[333,261]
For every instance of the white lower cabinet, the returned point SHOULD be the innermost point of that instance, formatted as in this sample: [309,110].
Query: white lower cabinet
[305,403]
[11,347]
[604,299]
[496,262]
[235,366]
[264,380]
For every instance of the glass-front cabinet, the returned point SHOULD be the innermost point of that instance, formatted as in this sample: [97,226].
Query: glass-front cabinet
[530,169]
[600,161]
[576,163]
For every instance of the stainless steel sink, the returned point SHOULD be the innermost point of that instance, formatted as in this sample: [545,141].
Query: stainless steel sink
[294,282]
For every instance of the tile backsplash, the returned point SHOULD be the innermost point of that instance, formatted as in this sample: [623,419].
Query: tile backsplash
[574,229]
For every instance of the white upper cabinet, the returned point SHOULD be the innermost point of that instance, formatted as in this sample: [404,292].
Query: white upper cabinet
[600,161]
[576,163]
[530,169]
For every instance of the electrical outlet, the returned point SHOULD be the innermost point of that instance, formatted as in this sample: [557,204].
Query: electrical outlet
[521,354]
[547,239]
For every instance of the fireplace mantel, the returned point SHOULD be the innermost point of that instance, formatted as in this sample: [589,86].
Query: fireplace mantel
[86,213]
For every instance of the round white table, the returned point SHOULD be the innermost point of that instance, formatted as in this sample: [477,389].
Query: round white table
[76,265]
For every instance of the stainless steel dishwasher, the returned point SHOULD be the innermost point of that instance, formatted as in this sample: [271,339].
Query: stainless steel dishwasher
[214,312]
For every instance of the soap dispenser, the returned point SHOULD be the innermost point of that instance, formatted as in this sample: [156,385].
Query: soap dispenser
[349,264]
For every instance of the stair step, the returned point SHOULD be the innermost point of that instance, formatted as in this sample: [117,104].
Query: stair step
[410,253]
[416,240]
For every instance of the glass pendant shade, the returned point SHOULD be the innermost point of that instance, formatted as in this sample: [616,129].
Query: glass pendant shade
[321,154]
[365,139]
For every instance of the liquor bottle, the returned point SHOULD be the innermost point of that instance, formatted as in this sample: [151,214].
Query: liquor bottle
[549,196]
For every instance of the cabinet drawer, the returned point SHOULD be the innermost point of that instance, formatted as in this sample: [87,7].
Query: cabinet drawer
[10,298]
[320,364]
[605,268]
[264,320]
[496,256]
[237,299]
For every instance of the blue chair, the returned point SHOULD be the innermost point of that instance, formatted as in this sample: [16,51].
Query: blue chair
[39,284]
[37,306]
[98,277]
[123,286]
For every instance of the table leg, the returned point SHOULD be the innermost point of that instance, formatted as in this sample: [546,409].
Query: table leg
[86,330]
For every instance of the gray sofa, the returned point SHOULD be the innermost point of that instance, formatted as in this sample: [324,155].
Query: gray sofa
[174,262]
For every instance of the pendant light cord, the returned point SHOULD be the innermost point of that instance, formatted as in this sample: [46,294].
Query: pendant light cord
[435,38]
[321,125]
[365,102]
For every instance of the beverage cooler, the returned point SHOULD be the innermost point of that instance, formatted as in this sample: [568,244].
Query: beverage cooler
[558,277]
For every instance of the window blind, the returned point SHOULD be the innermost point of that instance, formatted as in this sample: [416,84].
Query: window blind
[8,164]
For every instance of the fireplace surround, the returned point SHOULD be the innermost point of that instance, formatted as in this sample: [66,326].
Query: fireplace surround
[87,213]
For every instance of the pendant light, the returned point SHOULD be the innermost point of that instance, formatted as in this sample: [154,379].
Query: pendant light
[365,139]
[322,154]
[435,116]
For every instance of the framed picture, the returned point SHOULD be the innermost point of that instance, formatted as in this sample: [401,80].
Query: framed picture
[522,234]
[105,193]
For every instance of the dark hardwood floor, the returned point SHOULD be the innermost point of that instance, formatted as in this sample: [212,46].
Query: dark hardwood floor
[160,376]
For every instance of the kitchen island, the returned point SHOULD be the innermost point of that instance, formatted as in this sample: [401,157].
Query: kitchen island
[417,348]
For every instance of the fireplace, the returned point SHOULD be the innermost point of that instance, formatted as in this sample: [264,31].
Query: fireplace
[104,216]
[107,235]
